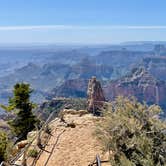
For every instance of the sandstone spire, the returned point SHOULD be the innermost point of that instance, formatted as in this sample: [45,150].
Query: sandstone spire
[95,95]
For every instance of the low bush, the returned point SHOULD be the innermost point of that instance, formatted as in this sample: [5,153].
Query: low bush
[133,134]
[4,145]
[33,153]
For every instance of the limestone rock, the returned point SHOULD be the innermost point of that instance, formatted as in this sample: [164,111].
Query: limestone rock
[95,95]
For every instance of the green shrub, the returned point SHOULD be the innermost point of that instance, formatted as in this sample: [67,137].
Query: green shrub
[3,146]
[33,153]
[133,134]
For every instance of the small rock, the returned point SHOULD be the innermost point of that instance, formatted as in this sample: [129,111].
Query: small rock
[22,144]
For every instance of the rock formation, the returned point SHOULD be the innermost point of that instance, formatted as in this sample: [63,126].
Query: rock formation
[142,85]
[59,103]
[95,95]
[156,66]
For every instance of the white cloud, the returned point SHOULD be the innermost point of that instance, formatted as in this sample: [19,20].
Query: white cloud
[77,27]
[35,27]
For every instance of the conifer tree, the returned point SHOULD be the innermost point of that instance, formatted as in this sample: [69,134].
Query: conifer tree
[20,103]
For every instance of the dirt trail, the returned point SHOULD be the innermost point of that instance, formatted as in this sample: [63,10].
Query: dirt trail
[74,146]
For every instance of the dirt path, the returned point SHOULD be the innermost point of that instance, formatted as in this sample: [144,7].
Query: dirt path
[71,146]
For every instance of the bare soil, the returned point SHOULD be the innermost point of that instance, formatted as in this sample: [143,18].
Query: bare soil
[72,146]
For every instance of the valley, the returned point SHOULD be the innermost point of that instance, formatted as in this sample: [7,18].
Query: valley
[63,71]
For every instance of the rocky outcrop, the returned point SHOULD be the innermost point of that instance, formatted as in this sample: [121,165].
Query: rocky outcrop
[95,95]
[59,103]
[140,84]
[156,66]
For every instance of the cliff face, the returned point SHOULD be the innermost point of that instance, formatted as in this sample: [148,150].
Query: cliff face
[140,84]
[156,66]
[71,88]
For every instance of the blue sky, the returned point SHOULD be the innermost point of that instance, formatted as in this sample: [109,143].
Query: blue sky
[81,21]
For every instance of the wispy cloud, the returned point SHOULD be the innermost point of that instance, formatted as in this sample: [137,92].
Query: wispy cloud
[77,27]
[35,27]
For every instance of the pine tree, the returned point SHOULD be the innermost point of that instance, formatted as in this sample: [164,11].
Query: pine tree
[20,103]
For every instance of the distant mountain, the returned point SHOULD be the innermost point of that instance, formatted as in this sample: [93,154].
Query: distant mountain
[49,76]
[71,88]
[122,61]
[122,57]
[144,43]
[72,56]
[64,71]
[12,58]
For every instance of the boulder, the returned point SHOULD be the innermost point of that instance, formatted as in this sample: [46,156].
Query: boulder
[22,144]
